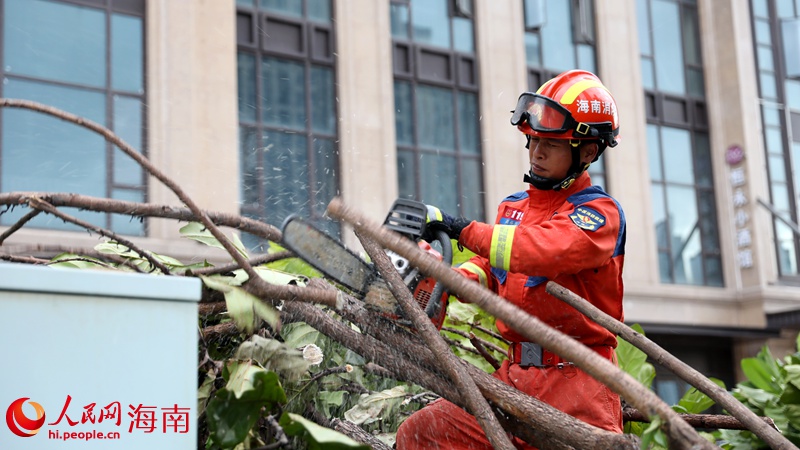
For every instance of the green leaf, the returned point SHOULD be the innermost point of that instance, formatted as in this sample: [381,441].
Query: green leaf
[231,416]
[204,393]
[274,355]
[649,433]
[279,277]
[198,232]
[244,307]
[84,263]
[370,408]
[299,334]
[792,374]
[759,373]
[695,402]
[634,361]
[317,437]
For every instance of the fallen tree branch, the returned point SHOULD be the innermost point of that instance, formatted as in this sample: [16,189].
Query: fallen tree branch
[680,434]
[475,403]
[19,224]
[710,421]
[356,432]
[769,434]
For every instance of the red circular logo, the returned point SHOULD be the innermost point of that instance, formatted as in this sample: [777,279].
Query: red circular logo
[19,423]
[734,155]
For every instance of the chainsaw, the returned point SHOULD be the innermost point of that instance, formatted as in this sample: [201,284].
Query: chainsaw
[335,261]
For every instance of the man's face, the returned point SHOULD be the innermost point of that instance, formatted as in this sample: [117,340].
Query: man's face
[550,158]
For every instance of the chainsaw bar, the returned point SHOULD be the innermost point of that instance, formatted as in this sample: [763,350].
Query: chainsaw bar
[327,255]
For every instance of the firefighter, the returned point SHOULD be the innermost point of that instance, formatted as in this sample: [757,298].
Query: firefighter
[562,229]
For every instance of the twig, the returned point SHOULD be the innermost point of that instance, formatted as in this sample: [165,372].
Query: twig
[769,434]
[56,249]
[711,421]
[490,333]
[23,259]
[681,435]
[454,343]
[471,336]
[16,226]
[476,404]
[79,258]
[40,204]
[61,199]
[277,431]
[263,259]
[478,344]
[357,433]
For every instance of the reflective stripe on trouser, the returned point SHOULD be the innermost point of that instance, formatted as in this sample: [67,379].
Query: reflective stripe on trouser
[443,425]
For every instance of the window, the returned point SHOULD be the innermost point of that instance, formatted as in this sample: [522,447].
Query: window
[551,48]
[776,27]
[436,104]
[684,207]
[89,61]
[287,111]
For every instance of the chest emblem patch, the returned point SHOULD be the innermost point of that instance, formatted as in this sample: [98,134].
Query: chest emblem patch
[587,218]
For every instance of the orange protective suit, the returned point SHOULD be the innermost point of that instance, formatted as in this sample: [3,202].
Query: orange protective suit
[575,237]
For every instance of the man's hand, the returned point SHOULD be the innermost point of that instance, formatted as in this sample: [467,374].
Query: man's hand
[439,220]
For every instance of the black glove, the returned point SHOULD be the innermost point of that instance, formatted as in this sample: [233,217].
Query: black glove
[439,220]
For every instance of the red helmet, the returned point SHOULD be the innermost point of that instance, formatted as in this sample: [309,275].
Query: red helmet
[573,105]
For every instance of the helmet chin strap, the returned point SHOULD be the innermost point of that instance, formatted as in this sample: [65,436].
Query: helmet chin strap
[547,184]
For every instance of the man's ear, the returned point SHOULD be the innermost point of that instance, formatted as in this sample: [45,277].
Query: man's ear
[589,152]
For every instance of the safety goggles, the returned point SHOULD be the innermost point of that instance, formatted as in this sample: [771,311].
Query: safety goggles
[545,115]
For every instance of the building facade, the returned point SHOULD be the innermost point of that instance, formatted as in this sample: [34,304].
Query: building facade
[270,107]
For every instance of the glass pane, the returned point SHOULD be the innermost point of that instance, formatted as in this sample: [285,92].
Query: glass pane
[319,10]
[403,117]
[405,174]
[654,153]
[791,43]
[535,14]
[431,22]
[462,35]
[645,45]
[586,58]
[785,9]
[323,108]
[787,257]
[471,200]
[667,49]
[691,42]
[782,231]
[768,90]
[46,35]
[283,93]
[765,61]
[793,94]
[532,49]
[777,169]
[287,7]
[780,198]
[246,70]
[664,267]
[773,140]
[125,224]
[694,78]
[763,32]
[285,176]
[435,123]
[468,122]
[65,158]
[127,55]
[760,8]
[713,271]
[326,180]
[660,215]
[128,126]
[558,49]
[399,19]
[245,2]
[677,145]
[438,181]
[708,221]
[648,74]
[684,235]
[251,165]
[772,115]
[702,160]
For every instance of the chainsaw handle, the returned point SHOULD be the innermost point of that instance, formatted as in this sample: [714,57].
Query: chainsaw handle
[435,304]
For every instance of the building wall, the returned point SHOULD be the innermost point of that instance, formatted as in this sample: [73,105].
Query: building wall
[192,136]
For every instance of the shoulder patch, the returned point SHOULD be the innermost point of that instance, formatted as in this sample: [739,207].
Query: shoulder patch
[587,218]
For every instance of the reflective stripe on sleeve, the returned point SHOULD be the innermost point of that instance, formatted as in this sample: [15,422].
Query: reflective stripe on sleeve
[474,268]
[502,238]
